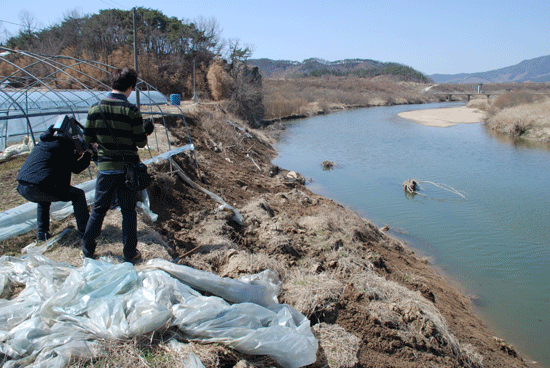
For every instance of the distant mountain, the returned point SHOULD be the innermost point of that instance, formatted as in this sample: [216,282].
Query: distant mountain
[316,67]
[534,70]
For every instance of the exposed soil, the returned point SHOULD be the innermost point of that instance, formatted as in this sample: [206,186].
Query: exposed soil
[371,301]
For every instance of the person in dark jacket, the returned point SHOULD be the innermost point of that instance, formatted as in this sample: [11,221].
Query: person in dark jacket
[45,177]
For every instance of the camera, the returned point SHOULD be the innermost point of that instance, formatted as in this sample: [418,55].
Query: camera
[68,127]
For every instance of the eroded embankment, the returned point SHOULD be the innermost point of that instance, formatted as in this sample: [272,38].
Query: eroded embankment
[361,288]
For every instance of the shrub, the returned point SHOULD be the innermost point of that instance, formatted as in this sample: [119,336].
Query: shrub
[511,99]
[532,119]
[479,103]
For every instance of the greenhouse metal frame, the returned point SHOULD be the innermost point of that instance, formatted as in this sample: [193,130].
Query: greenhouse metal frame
[30,95]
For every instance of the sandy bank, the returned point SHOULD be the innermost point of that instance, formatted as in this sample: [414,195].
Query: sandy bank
[445,117]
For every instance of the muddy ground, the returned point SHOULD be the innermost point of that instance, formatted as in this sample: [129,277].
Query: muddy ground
[372,302]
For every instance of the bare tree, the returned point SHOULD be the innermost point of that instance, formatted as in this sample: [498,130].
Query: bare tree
[74,14]
[236,51]
[28,22]
[212,31]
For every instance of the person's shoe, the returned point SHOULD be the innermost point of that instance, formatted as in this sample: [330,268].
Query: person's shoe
[136,258]
[43,236]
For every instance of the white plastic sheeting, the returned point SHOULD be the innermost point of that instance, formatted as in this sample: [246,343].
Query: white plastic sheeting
[22,219]
[64,309]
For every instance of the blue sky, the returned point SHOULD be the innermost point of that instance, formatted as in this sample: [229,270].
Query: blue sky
[431,36]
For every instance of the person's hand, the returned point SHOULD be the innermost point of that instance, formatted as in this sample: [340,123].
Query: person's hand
[92,148]
[149,127]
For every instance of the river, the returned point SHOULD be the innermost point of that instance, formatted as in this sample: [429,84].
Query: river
[494,243]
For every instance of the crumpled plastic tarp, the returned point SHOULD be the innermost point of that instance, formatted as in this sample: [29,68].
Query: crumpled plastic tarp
[63,310]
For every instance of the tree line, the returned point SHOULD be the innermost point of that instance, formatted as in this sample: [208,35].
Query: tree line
[403,72]
[174,55]
[167,46]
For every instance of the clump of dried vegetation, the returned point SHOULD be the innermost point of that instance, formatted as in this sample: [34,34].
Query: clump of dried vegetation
[520,114]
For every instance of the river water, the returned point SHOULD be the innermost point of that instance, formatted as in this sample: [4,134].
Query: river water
[494,243]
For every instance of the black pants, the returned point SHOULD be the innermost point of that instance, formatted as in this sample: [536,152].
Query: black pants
[44,200]
[109,185]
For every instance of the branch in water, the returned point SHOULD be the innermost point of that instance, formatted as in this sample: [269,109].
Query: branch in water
[412,185]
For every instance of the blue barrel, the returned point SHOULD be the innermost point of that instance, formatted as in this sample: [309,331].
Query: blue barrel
[175,99]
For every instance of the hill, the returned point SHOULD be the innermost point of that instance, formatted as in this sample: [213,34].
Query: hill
[315,67]
[533,70]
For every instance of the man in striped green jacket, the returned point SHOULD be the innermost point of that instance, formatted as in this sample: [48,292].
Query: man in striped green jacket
[115,127]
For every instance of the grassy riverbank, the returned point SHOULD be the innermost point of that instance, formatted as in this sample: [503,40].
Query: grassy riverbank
[519,114]
[311,96]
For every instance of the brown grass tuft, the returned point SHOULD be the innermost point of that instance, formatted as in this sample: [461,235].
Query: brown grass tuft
[512,99]
[312,294]
[340,348]
[529,120]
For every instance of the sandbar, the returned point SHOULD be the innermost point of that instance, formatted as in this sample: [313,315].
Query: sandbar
[445,117]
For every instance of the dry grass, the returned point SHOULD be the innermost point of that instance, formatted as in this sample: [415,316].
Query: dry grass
[482,104]
[529,120]
[409,313]
[135,353]
[109,244]
[225,135]
[306,96]
[238,263]
[219,80]
[230,262]
[511,99]
[339,346]
[159,350]
[312,293]
[9,198]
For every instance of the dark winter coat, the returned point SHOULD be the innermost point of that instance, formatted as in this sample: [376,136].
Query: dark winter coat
[51,162]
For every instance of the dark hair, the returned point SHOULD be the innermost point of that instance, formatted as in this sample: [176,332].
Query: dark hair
[122,79]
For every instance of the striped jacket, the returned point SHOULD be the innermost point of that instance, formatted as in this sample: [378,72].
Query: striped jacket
[126,124]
